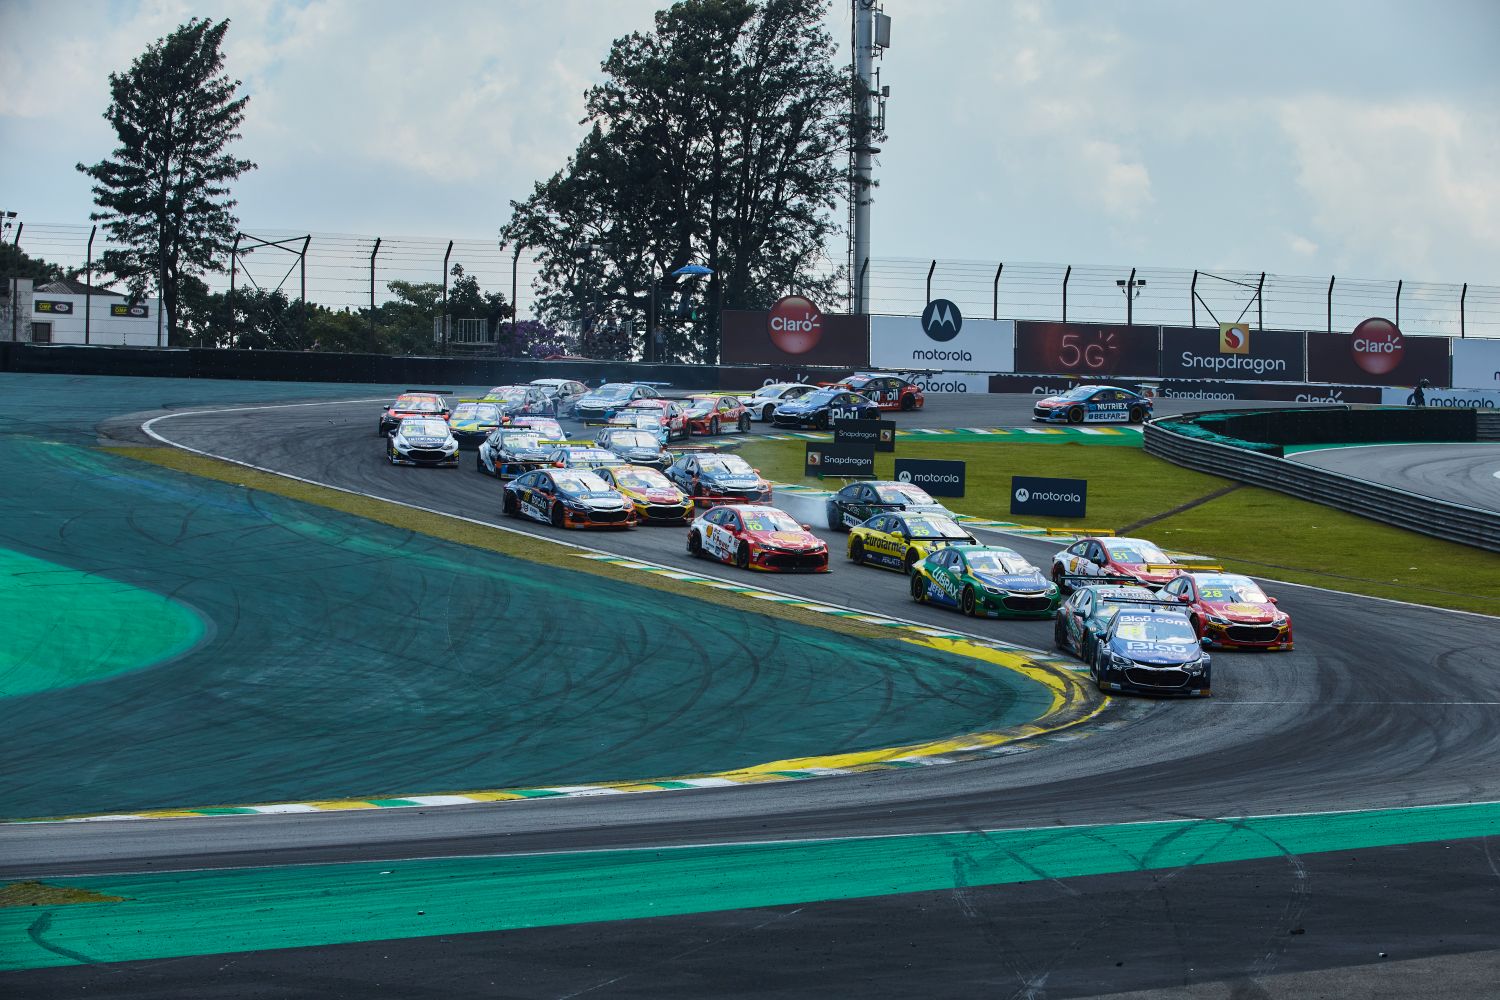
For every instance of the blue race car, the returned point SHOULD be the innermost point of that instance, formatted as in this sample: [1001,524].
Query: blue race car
[1093,404]
[820,409]
[1150,650]
[600,404]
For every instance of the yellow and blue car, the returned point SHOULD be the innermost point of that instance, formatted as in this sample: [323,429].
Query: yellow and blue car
[472,420]
[899,541]
[656,500]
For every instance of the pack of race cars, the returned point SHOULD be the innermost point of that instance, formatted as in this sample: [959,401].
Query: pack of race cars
[1142,621]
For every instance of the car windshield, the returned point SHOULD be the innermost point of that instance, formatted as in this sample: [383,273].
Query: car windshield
[424,428]
[477,411]
[615,390]
[579,482]
[634,439]
[934,527]
[1077,392]
[769,520]
[1136,552]
[642,479]
[521,442]
[731,465]
[417,404]
[701,402]
[507,393]
[903,494]
[1230,589]
[998,562]
[598,455]
[1173,629]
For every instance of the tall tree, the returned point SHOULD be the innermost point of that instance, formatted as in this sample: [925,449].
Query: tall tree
[718,138]
[164,193]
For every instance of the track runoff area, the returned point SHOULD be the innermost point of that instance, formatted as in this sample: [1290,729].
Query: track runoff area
[1321,826]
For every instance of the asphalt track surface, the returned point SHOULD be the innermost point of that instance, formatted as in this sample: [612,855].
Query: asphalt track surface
[1381,705]
[1461,473]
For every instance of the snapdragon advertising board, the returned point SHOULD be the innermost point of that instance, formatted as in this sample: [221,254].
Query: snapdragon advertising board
[793,332]
[1377,353]
[1233,352]
[1086,349]
[1476,364]
[943,339]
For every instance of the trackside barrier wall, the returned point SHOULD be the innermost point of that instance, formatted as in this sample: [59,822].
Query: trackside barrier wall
[1166,437]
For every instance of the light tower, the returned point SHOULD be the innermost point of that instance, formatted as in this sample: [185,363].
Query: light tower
[871,36]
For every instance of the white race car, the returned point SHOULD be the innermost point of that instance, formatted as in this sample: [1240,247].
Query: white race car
[762,405]
[422,441]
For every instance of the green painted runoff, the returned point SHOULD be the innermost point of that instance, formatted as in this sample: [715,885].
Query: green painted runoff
[209,912]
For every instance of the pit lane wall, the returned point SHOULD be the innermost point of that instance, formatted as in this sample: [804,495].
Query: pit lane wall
[1248,445]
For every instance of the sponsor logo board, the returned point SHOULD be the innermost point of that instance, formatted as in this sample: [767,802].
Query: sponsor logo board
[941,320]
[795,324]
[1234,338]
[130,311]
[53,307]
[942,339]
[941,479]
[1445,399]
[852,460]
[881,434]
[1377,353]
[795,333]
[950,381]
[1087,349]
[1476,364]
[1037,496]
[1270,355]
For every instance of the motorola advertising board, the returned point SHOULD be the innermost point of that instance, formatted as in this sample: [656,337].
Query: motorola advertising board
[1036,496]
[1377,353]
[1445,399]
[1086,349]
[879,434]
[941,479]
[852,460]
[793,332]
[931,382]
[1233,352]
[1476,364]
[943,339]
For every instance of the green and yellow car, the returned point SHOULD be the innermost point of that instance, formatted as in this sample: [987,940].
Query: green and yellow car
[984,581]
[472,420]
[898,541]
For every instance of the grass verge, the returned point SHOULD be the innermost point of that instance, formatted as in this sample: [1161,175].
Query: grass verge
[1250,530]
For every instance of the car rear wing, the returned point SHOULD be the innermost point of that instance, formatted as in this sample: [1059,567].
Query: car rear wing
[1162,568]
[1089,579]
[1202,568]
[435,392]
[1154,602]
[1082,532]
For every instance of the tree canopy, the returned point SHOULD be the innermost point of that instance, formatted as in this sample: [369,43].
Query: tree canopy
[715,139]
[164,194]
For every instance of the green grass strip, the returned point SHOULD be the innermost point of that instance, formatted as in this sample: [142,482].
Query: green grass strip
[208,912]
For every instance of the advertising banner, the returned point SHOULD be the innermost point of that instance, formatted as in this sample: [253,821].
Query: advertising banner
[54,307]
[130,311]
[942,338]
[950,381]
[1476,364]
[1233,352]
[1198,391]
[879,434]
[941,479]
[839,460]
[1087,349]
[793,332]
[1376,353]
[1445,399]
[1042,497]
[1034,385]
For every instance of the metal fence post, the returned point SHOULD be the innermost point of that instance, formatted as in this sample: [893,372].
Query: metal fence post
[88,286]
[1130,299]
[1193,300]
[864,293]
[1461,296]
[1260,304]
[306,242]
[1331,279]
[446,255]
[515,310]
[1399,283]
[373,252]
[995,310]
[930,269]
[234,260]
[1066,275]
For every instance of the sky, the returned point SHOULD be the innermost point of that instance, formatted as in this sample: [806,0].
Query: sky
[1352,138]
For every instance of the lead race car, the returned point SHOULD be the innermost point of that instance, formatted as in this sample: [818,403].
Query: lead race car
[821,408]
[889,392]
[422,441]
[1127,559]
[1151,650]
[983,581]
[753,536]
[1093,404]
[413,403]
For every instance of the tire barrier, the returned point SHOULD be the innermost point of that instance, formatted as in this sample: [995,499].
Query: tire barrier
[1169,438]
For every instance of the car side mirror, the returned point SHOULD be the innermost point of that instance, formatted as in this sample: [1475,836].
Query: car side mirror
[806,527]
[1271,599]
[1185,598]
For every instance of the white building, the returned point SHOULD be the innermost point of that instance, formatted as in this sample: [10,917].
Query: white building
[69,312]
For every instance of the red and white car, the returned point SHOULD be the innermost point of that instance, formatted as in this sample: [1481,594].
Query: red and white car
[889,392]
[666,417]
[1122,559]
[754,536]
[710,414]
[412,404]
[1230,611]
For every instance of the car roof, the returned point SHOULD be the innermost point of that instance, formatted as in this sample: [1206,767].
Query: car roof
[987,548]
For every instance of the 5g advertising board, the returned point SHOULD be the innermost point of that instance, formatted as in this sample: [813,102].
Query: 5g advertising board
[942,339]
[878,434]
[853,460]
[941,479]
[1086,349]
[1044,497]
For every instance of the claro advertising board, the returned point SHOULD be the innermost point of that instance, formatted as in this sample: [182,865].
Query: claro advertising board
[1238,354]
[1086,349]
[1476,364]
[1377,353]
[793,332]
[943,339]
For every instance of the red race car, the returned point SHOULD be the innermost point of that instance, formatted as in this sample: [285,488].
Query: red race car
[413,403]
[1230,611]
[660,414]
[1127,560]
[753,536]
[710,414]
[889,392]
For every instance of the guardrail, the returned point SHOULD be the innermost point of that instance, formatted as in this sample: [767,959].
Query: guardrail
[1443,519]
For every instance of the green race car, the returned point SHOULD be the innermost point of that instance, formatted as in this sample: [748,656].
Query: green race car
[984,581]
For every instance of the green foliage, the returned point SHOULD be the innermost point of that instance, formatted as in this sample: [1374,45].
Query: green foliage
[716,138]
[17,263]
[163,194]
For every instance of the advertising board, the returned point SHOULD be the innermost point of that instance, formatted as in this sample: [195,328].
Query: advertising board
[1039,496]
[1445,399]
[1086,349]
[793,332]
[941,479]
[878,434]
[851,460]
[1237,353]
[943,339]
[1476,364]
[1377,353]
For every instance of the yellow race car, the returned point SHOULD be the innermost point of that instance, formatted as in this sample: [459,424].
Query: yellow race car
[899,541]
[656,500]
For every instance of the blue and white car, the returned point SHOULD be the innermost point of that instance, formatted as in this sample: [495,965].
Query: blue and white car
[604,402]
[1151,650]
[821,408]
[762,405]
[1093,404]
[422,441]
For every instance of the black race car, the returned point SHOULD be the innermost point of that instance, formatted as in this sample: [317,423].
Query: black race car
[510,452]
[1085,615]
[1150,650]
[820,409]
[711,478]
[638,447]
[858,502]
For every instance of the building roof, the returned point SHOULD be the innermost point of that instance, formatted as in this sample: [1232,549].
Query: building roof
[72,286]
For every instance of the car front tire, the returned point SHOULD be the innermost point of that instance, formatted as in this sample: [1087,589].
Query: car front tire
[919,588]
[1075,415]
[857,552]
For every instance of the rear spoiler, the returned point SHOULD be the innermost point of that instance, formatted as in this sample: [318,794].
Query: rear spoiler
[1202,568]
[1086,580]
[1162,568]
[435,392]
[1083,532]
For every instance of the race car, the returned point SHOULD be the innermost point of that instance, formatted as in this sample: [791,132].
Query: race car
[762,404]
[1085,615]
[602,403]
[513,451]
[561,393]
[983,581]
[1231,611]
[711,478]
[547,427]
[858,502]
[1128,558]
[568,498]
[519,401]
[422,441]
[472,421]
[412,404]
[656,500]
[666,418]
[899,541]
[889,392]
[638,447]
[1092,404]
[1150,650]
[753,536]
[821,408]
[573,456]
[711,414]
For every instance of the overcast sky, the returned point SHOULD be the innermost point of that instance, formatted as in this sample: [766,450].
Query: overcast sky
[1358,138]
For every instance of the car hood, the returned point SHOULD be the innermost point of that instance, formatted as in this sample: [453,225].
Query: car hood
[655,496]
[597,498]
[1014,581]
[424,441]
[1242,611]
[472,425]
[735,482]
[1157,653]
[527,454]
[786,539]
[592,400]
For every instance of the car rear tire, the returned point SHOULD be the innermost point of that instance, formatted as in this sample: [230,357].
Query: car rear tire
[559,519]
[966,602]
[713,427]
[695,545]
[1075,415]
[919,588]
[744,423]
[769,413]
[908,403]
[1060,636]
[857,552]
[821,421]
[510,506]
[742,556]
[835,522]
[912,557]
